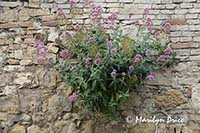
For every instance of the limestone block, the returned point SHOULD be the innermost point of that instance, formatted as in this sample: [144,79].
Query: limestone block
[171,99]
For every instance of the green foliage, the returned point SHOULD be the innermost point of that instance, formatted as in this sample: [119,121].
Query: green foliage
[103,85]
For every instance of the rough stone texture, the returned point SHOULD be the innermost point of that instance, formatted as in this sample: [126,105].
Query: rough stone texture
[34,99]
[171,99]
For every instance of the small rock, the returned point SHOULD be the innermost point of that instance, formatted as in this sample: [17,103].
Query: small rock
[19,54]
[22,78]
[53,35]
[33,129]
[18,40]
[89,127]
[171,99]
[13,62]
[67,116]
[18,129]
[52,48]
[26,119]
[25,62]
[71,128]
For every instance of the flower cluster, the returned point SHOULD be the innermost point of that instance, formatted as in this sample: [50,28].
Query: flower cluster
[73,97]
[103,67]
[41,51]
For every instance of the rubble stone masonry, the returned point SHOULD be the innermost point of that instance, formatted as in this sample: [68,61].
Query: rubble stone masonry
[29,100]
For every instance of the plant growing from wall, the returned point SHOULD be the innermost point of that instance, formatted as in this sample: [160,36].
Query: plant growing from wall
[103,67]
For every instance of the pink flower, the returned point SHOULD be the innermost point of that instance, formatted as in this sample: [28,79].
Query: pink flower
[97,61]
[91,39]
[60,11]
[151,76]
[149,28]
[137,22]
[38,43]
[64,54]
[163,58]
[137,58]
[149,22]
[109,43]
[157,34]
[148,52]
[166,26]
[131,68]
[146,10]
[168,51]
[114,73]
[96,11]
[113,51]
[87,60]
[112,17]
[73,97]
[123,74]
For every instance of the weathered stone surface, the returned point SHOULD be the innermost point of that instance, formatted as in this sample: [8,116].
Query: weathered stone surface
[58,104]
[129,31]
[10,4]
[162,78]
[52,48]
[53,35]
[12,62]
[196,96]
[25,119]
[89,127]
[171,99]
[134,101]
[8,15]
[45,77]
[144,128]
[9,90]
[70,128]
[22,78]
[30,101]
[18,129]
[34,129]
[25,62]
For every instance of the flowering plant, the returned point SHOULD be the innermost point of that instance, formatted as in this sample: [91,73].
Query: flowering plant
[104,67]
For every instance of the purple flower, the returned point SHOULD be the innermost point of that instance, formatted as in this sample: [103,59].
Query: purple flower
[148,52]
[168,51]
[91,39]
[38,43]
[87,60]
[149,28]
[73,97]
[137,58]
[151,76]
[113,73]
[60,11]
[149,22]
[113,51]
[157,34]
[131,68]
[123,74]
[163,58]
[41,51]
[112,17]
[109,43]
[97,61]
[146,10]
[166,26]
[96,11]
[64,54]
[137,22]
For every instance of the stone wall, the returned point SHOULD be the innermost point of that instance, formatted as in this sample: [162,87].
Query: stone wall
[29,93]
